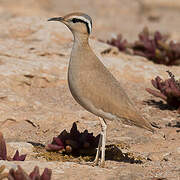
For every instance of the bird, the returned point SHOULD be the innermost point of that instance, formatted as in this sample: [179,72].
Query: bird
[93,86]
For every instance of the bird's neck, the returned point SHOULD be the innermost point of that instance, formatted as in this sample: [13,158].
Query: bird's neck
[81,40]
[80,49]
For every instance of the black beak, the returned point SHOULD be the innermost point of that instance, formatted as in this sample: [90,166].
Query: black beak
[56,19]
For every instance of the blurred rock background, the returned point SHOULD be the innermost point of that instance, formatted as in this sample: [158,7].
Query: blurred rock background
[109,17]
[36,105]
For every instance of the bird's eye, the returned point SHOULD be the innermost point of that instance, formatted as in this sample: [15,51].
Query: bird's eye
[74,20]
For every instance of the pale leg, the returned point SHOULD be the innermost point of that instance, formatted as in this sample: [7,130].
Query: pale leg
[98,151]
[104,127]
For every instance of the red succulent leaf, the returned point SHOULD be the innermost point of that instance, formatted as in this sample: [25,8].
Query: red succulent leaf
[156,93]
[64,135]
[58,141]
[172,84]
[18,174]
[74,132]
[159,82]
[121,44]
[139,53]
[35,174]
[157,36]
[17,157]
[46,175]
[54,147]
[154,83]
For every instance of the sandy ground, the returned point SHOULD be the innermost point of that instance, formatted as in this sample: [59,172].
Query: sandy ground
[35,103]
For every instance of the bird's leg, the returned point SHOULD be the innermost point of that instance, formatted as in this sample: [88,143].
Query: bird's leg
[103,144]
[98,151]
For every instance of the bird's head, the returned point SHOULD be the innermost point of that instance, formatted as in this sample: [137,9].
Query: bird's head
[77,22]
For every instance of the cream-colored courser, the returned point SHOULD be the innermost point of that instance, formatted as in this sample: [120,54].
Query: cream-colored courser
[93,86]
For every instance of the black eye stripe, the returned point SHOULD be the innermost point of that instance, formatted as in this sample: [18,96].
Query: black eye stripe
[75,20]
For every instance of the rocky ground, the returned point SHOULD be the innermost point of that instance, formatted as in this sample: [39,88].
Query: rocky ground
[36,105]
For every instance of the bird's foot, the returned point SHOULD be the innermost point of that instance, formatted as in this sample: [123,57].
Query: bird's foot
[94,163]
[102,164]
[89,163]
[96,160]
[98,163]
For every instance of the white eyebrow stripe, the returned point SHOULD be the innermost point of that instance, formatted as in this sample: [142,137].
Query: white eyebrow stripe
[85,20]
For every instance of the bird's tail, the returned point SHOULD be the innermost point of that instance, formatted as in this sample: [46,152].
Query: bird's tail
[144,123]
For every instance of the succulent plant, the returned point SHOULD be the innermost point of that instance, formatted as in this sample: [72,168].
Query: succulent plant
[3,152]
[121,44]
[169,90]
[154,46]
[74,142]
[20,174]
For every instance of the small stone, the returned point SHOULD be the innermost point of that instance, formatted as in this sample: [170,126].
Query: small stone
[167,157]
[178,150]
[157,156]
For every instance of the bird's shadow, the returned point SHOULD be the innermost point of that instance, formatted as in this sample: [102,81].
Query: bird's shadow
[115,154]
[159,104]
[162,106]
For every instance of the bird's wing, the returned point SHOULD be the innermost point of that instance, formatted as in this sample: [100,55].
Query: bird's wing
[105,93]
